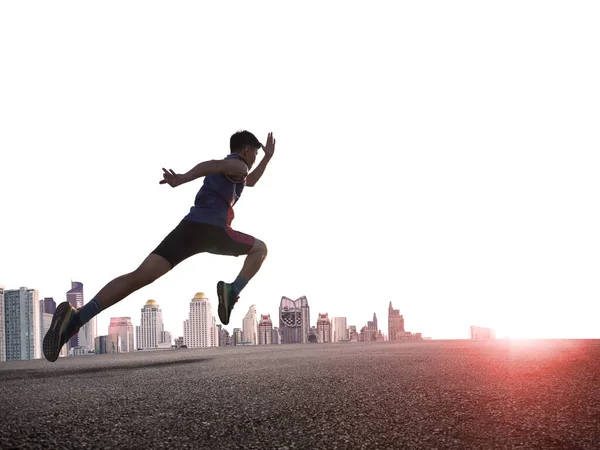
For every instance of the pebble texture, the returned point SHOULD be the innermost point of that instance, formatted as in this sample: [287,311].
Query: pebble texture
[429,395]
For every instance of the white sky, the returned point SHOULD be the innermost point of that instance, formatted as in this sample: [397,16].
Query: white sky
[441,155]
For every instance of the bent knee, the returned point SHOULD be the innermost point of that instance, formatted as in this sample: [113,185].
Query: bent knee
[259,247]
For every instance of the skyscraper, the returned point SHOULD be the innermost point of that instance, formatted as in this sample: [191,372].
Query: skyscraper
[75,298]
[199,330]
[265,330]
[250,327]
[395,324]
[124,328]
[2,319]
[45,321]
[294,320]
[22,324]
[323,328]
[49,305]
[339,329]
[275,336]
[151,326]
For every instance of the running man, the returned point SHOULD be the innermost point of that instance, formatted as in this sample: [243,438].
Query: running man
[206,228]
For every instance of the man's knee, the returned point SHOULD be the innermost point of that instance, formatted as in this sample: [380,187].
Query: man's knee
[259,248]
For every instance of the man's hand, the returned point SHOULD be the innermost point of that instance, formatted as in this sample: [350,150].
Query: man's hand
[269,148]
[171,178]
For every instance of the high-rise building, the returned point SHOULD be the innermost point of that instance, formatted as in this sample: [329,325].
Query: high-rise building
[323,328]
[223,336]
[395,324]
[352,333]
[339,329]
[237,336]
[265,330]
[151,326]
[124,328]
[2,319]
[481,333]
[49,305]
[75,298]
[294,320]
[100,345]
[45,321]
[22,324]
[113,343]
[250,327]
[167,339]
[275,336]
[199,330]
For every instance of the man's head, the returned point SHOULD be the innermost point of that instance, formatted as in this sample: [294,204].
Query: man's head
[246,145]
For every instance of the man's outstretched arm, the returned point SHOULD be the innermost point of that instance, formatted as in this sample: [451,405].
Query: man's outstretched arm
[231,167]
[269,150]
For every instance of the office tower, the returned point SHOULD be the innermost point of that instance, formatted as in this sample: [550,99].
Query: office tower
[124,328]
[265,330]
[275,336]
[22,324]
[151,326]
[250,327]
[2,327]
[237,336]
[294,320]
[167,339]
[199,330]
[339,329]
[49,305]
[323,328]
[75,298]
[395,324]
[481,333]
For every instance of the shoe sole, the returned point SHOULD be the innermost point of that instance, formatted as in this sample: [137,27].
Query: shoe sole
[223,310]
[52,344]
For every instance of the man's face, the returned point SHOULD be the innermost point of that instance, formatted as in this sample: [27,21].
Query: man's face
[250,154]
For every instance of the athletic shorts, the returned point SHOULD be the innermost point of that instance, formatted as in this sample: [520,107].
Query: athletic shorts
[190,238]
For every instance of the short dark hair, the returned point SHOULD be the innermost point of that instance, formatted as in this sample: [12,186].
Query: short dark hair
[243,139]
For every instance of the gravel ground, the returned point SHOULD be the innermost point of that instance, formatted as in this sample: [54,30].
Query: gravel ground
[429,395]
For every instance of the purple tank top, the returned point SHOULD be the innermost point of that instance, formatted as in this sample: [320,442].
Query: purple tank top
[215,199]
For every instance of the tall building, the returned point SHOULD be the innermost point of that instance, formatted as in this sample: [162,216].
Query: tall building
[481,333]
[124,328]
[237,336]
[22,324]
[151,326]
[45,321]
[323,328]
[294,320]
[199,330]
[339,329]
[167,339]
[352,333]
[75,298]
[222,336]
[265,330]
[275,336]
[2,319]
[49,305]
[395,324]
[250,327]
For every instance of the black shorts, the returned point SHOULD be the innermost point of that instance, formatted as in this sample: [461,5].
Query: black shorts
[190,238]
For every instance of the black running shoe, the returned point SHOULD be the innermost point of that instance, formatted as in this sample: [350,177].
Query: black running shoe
[226,301]
[62,328]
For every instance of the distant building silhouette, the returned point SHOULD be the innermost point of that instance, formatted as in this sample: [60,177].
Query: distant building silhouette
[481,333]
[200,329]
[395,324]
[250,327]
[294,320]
[323,328]
[2,327]
[124,328]
[265,330]
[75,298]
[22,333]
[339,329]
[49,305]
[148,333]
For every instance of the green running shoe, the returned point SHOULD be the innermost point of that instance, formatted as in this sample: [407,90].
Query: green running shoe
[62,328]
[226,301]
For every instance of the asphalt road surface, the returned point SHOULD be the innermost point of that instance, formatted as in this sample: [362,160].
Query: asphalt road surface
[429,395]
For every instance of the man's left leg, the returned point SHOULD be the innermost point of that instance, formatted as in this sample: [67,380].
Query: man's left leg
[237,244]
